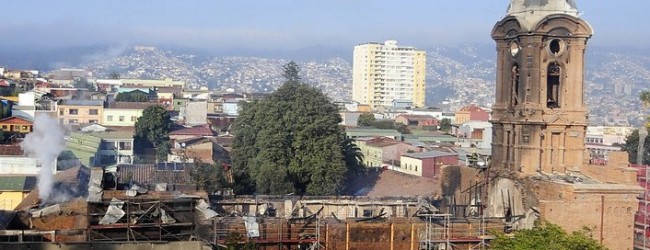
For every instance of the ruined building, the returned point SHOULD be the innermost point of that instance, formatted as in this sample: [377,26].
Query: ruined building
[540,119]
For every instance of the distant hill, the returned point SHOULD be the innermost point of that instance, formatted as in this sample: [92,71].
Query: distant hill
[459,74]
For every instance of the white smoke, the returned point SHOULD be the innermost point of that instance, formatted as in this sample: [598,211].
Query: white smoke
[45,143]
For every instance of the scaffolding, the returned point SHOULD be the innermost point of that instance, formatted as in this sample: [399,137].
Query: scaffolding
[301,233]
[142,220]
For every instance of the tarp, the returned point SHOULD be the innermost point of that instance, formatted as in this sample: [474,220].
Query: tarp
[252,227]
[135,190]
[95,190]
[205,210]
[114,213]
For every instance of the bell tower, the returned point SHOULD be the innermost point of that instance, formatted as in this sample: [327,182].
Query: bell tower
[539,116]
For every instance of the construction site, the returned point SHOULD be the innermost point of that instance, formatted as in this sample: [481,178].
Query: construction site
[107,218]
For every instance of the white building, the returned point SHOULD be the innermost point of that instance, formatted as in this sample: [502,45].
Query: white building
[384,72]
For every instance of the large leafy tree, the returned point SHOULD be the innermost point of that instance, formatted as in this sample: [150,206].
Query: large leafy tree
[153,128]
[366,120]
[545,236]
[445,125]
[133,96]
[289,142]
[631,146]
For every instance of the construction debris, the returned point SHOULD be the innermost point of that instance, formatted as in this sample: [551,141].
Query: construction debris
[114,213]
[54,209]
[204,208]
[252,227]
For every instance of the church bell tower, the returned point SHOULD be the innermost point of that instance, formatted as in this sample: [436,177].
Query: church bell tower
[539,117]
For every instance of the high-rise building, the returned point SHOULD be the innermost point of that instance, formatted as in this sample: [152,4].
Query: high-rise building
[384,73]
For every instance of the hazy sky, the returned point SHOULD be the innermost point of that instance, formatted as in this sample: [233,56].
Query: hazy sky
[287,24]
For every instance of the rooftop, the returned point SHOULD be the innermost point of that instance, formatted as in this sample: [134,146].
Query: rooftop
[131,105]
[202,130]
[83,103]
[17,183]
[16,120]
[530,12]
[382,142]
[430,154]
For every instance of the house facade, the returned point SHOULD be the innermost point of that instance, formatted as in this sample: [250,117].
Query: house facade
[426,164]
[383,152]
[124,114]
[17,125]
[81,112]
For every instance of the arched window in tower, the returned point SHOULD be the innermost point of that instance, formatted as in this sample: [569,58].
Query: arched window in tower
[553,85]
[514,92]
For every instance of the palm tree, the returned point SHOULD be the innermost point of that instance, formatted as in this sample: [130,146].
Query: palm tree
[353,157]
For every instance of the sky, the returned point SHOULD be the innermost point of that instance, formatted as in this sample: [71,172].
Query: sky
[287,24]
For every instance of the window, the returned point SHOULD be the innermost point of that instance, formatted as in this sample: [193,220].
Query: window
[92,121]
[73,112]
[553,85]
[121,118]
[4,127]
[109,118]
[133,118]
[72,121]
[514,94]
[92,112]
[61,112]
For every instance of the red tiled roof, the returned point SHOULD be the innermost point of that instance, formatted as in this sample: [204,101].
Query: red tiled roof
[202,130]
[16,120]
[382,142]
[11,150]
[472,108]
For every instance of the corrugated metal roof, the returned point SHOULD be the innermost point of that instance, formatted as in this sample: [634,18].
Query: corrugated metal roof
[430,154]
[17,183]
[151,174]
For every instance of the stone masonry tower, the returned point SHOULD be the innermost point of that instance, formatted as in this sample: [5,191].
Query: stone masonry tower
[539,116]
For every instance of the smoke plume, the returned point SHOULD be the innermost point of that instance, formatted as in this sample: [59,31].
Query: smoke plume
[45,143]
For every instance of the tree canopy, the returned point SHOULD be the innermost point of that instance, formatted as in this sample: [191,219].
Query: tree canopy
[366,120]
[290,142]
[153,127]
[545,236]
[445,125]
[133,96]
[631,146]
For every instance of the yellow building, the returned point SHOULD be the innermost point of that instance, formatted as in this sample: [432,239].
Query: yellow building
[16,124]
[124,113]
[13,189]
[80,112]
[385,72]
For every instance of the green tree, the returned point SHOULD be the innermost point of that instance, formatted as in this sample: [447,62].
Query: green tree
[353,157]
[133,96]
[631,146]
[114,75]
[445,125]
[153,127]
[366,120]
[545,236]
[289,142]
[209,177]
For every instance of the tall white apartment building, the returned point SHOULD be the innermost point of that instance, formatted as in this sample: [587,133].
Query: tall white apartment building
[385,72]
